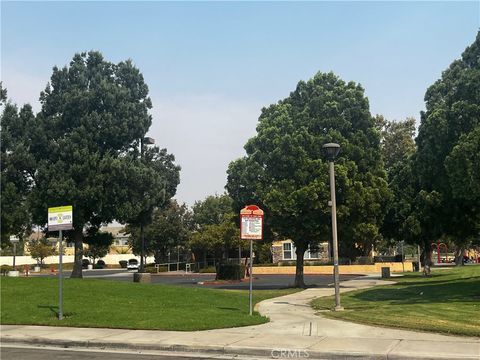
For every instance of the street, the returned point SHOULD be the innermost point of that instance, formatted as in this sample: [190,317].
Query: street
[261,282]
[40,353]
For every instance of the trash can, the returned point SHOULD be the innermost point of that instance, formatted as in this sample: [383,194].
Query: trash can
[385,272]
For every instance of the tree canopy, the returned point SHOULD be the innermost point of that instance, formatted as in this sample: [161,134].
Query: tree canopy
[170,227]
[286,173]
[215,229]
[85,141]
[446,163]
[98,243]
[17,165]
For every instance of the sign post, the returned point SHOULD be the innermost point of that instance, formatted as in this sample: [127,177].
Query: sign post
[59,219]
[251,228]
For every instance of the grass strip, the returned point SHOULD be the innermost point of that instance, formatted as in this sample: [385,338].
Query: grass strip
[447,302]
[115,304]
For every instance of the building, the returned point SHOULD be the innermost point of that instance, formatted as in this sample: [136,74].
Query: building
[119,246]
[120,240]
[284,251]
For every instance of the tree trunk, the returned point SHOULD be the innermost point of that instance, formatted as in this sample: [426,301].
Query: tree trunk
[459,256]
[77,266]
[300,251]
[426,258]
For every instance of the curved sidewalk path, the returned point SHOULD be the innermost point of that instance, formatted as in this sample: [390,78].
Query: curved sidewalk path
[294,329]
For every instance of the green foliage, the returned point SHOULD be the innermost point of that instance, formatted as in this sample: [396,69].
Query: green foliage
[398,147]
[170,227]
[212,210]
[4,269]
[40,249]
[446,163]
[3,93]
[217,239]
[463,167]
[230,271]
[17,171]
[208,270]
[98,243]
[285,171]
[397,141]
[216,231]
[84,144]
[153,270]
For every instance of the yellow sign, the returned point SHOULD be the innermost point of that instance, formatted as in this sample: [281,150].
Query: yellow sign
[60,218]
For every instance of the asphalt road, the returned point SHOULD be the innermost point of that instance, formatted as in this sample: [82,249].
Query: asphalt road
[261,282]
[28,353]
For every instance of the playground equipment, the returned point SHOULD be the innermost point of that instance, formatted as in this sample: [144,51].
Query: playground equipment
[438,245]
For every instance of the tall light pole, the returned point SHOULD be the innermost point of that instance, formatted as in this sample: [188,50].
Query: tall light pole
[332,151]
[14,240]
[146,141]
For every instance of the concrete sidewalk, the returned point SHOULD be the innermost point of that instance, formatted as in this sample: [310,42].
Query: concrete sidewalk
[293,332]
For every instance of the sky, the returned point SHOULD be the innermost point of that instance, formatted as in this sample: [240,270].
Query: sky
[212,66]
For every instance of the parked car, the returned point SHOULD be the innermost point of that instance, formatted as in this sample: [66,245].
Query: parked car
[132,264]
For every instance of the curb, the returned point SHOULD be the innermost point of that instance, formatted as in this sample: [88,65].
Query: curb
[225,350]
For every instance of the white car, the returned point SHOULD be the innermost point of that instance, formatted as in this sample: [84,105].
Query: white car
[132,264]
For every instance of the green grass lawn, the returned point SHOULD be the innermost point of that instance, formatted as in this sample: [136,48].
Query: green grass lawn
[446,302]
[115,304]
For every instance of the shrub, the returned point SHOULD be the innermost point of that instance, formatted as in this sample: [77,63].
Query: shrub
[123,264]
[287,263]
[85,263]
[208,269]
[266,265]
[4,269]
[363,260]
[153,270]
[230,272]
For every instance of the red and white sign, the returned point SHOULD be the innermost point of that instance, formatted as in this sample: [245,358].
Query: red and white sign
[251,223]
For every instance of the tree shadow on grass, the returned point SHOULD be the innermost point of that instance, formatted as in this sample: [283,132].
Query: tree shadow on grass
[433,282]
[228,308]
[52,308]
[439,292]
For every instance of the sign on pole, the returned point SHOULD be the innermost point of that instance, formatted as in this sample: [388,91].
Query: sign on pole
[251,221]
[251,228]
[60,218]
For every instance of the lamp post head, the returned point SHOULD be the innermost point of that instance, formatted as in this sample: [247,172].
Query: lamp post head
[148,141]
[331,150]
[14,239]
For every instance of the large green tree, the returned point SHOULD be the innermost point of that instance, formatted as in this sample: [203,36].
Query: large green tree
[398,146]
[98,242]
[17,165]
[85,142]
[212,209]
[446,163]
[215,229]
[169,228]
[286,173]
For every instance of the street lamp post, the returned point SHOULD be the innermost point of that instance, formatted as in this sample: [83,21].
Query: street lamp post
[332,151]
[146,141]
[14,240]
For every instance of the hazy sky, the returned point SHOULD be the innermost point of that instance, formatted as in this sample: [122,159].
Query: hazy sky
[212,66]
